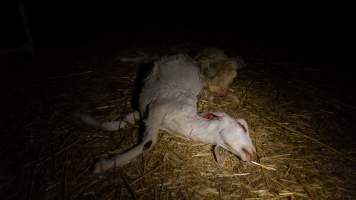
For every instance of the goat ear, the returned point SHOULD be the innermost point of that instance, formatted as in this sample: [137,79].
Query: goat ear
[219,155]
[243,123]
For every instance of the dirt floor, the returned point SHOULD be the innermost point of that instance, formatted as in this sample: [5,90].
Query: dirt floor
[301,113]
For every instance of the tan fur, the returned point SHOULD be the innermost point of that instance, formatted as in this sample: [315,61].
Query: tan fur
[218,71]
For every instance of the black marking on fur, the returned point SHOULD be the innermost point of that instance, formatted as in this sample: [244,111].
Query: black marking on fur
[144,71]
[147,145]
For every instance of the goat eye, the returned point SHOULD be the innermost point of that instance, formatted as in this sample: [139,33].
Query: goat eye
[242,126]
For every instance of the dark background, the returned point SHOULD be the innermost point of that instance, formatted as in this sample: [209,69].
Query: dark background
[297,33]
[324,32]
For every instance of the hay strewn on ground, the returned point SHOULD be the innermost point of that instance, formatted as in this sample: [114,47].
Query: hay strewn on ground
[298,126]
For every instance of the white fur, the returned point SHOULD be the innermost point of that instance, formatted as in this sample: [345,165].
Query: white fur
[169,97]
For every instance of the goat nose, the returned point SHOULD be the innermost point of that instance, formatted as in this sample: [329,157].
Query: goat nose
[248,154]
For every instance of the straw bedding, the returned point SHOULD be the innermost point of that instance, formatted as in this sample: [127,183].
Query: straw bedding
[299,125]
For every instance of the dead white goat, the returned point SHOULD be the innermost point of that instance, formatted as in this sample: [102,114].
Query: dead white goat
[169,102]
